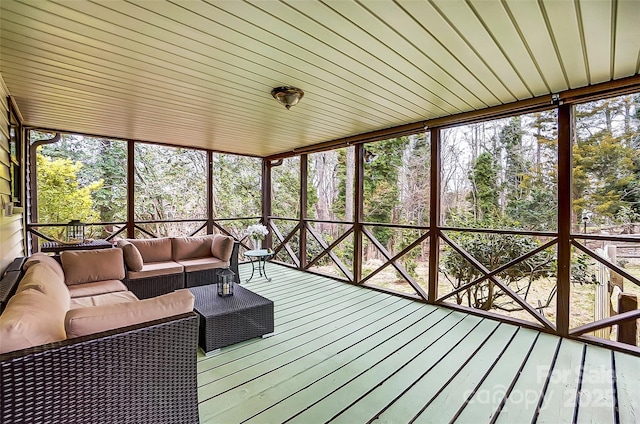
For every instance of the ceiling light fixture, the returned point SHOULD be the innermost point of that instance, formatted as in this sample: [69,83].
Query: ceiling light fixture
[287,96]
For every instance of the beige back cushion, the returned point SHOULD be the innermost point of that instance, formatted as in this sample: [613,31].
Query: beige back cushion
[95,319]
[153,250]
[35,314]
[191,247]
[86,266]
[222,247]
[44,259]
[44,278]
[132,256]
[30,320]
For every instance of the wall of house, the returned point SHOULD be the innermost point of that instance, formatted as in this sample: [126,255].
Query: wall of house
[11,227]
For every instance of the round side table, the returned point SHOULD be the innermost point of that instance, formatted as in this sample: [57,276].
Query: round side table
[260,257]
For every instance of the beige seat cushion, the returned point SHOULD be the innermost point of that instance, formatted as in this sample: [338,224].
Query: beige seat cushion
[96,288]
[222,247]
[31,318]
[153,250]
[157,268]
[191,247]
[200,264]
[95,319]
[87,266]
[103,299]
[132,257]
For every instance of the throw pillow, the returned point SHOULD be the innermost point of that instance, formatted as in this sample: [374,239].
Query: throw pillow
[132,256]
[222,246]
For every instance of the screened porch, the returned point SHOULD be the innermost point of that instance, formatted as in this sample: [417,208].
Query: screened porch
[451,194]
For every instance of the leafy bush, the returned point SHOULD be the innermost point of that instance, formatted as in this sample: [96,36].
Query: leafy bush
[494,250]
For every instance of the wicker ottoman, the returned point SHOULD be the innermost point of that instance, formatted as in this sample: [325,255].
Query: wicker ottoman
[232,319]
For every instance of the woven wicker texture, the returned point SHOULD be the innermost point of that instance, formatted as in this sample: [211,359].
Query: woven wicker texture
[57,247]
[16,265]
[8,286]
[200,278]
[147,287]
[10,280]
[144,375]
[232,319]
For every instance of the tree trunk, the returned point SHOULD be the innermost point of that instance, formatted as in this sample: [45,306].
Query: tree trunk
[349,183]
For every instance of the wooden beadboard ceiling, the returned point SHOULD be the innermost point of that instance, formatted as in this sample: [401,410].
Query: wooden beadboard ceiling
[199,73]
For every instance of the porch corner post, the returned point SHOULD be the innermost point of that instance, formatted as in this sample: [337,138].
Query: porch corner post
[358,206]
[130,188]
[209,192]
[266,198]
[434,215]
[304,176]
[565,131]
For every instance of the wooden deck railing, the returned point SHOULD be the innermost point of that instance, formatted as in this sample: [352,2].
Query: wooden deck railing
[288,253]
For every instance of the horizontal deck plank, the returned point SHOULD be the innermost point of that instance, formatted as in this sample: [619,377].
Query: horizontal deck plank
[628,387]
[561,395]
[272,400]
[344,353]
[307,324]
[305,341]
[342,382]
[596,398]
[434,378]
[446,404]
[521,402]
[484,399]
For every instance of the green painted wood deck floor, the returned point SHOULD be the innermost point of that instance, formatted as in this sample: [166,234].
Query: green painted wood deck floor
[347,354]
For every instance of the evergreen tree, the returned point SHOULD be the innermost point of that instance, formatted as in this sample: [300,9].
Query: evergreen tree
[514,191]
[381,192]
[604,159]
[532,172]
[484,193]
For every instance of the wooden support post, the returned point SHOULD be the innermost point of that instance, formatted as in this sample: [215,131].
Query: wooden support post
[302,248]
[615,279]
[602,308]
[434,215]
[266,199]
[628,331]
[131,170]
[564,218]
[209,192]
[358,206]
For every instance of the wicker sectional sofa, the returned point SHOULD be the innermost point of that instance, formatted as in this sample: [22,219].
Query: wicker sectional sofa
[77,346]
[161,265]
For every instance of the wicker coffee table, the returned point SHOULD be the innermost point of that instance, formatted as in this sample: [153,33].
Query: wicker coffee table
[232,319]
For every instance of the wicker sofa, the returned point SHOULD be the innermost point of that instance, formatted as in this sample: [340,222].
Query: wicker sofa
[76,346]
[161,265]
